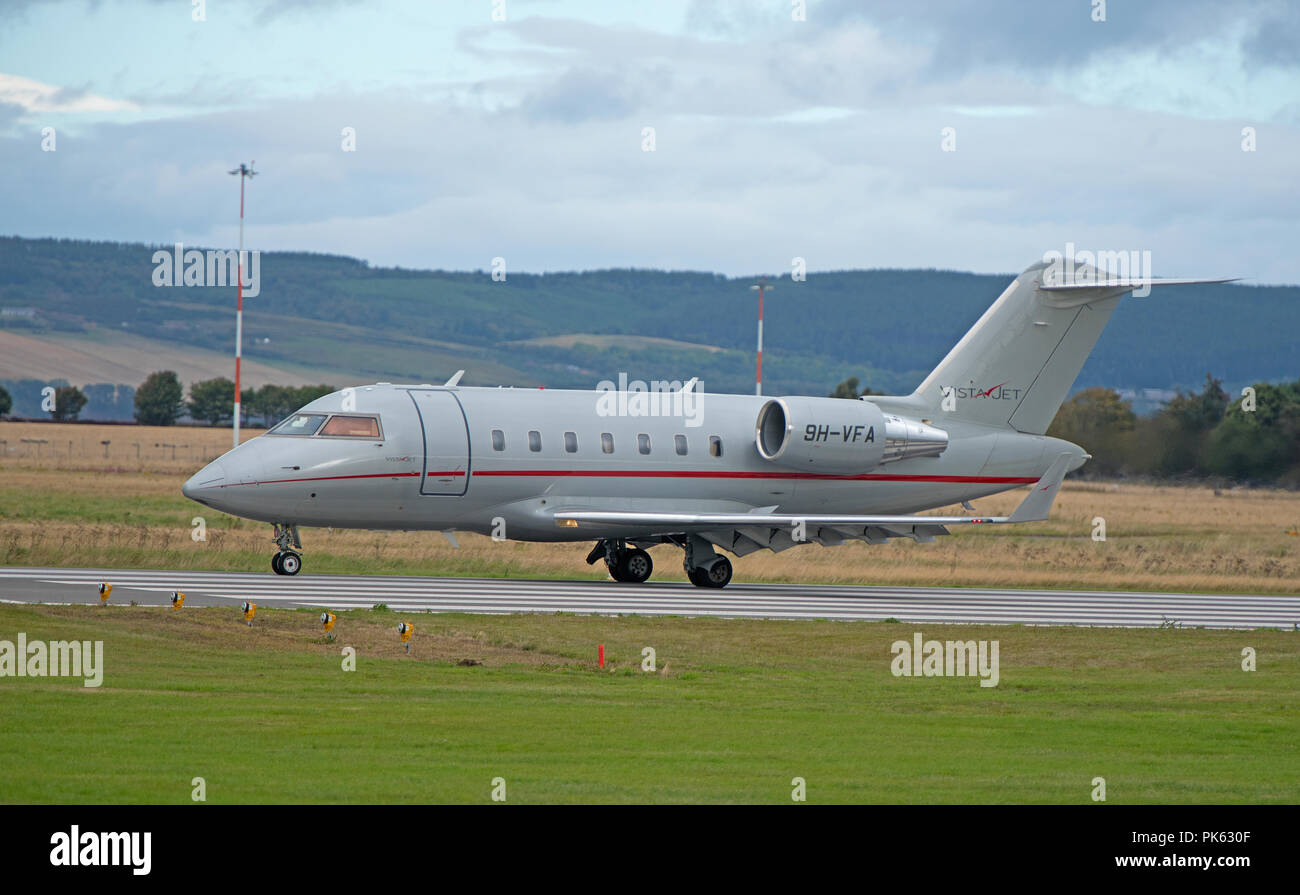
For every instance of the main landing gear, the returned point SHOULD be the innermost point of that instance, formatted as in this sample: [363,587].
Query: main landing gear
[286,562]
[703,566]
[630,565]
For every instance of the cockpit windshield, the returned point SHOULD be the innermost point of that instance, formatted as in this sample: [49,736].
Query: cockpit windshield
[352,427]
[299,424]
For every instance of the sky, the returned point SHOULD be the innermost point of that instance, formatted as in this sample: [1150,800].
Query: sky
[733,136]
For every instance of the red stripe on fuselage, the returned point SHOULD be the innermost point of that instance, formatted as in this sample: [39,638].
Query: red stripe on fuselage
[329,478]
[813,476]
[673,474]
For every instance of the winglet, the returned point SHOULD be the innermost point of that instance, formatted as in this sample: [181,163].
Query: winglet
[454,381]
[1038,504]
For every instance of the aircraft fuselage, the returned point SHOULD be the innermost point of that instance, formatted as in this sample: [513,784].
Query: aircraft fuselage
[470,459]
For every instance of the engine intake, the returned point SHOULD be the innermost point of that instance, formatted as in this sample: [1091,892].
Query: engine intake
[839,436]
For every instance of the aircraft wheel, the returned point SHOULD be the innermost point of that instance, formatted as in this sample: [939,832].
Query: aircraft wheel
[291,562]
[275,564]
[635,566]
[716,576]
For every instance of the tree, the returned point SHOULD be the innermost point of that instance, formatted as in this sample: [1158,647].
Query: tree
[1260,444]
[1199,412]
[212,400]
[68,401]
[849,389]
[1178,434]
[160,400]
[6,402]
[272,403]
[1101,422]
[308,393]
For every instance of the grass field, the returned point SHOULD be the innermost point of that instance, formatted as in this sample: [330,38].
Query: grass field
[65,503]
[734,711]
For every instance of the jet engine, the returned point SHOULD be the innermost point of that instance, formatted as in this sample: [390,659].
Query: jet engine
[838,436]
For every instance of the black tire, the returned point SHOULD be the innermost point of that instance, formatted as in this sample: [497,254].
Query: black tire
[715,576]
[614,571]
[719,574]
[275,564]
[291,564]
[635,566]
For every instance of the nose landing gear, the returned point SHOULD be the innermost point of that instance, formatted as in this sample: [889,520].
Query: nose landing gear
[286,562]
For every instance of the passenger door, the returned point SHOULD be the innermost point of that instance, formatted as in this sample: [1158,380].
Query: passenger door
[446,442]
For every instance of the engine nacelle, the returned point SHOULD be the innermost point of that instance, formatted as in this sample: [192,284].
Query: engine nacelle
[838,436]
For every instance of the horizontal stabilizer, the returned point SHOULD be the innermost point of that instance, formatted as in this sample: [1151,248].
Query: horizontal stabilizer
[1038,504]
[1130,283]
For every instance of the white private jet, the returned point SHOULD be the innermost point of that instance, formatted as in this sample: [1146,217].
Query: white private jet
[701,471]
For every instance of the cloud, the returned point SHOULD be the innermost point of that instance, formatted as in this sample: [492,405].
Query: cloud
[818,140]
[33,96]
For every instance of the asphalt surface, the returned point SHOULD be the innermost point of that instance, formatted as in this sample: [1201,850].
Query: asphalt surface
[792,601]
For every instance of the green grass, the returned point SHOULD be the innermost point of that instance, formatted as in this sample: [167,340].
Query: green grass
[735,710]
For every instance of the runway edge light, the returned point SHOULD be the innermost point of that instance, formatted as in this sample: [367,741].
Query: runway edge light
[178,599]
[404,631]
[104,590]
[249,609]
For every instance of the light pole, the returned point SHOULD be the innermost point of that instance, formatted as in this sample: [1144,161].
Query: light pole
[244,172]
[761,286]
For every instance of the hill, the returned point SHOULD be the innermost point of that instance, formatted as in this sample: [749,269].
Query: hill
[336,319]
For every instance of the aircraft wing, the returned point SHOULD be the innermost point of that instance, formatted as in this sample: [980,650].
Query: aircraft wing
[738,531]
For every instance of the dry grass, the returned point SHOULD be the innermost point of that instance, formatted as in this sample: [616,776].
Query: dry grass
[78,446]
[79,508]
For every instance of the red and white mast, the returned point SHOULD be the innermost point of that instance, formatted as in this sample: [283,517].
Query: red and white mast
[244,171]
[762,287]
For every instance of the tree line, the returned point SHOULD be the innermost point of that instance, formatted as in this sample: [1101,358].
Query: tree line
[161,401]
[1253,437]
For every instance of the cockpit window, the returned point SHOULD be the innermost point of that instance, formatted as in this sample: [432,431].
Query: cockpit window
[352,427]
[299,424]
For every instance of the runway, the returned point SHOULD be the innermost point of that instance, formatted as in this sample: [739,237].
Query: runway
[783,601]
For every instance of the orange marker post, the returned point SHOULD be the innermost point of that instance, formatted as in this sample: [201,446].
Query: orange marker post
[600,654]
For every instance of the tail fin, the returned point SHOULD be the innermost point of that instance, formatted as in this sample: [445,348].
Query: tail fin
[1017,363]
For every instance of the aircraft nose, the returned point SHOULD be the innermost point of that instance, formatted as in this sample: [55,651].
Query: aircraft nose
[199,485]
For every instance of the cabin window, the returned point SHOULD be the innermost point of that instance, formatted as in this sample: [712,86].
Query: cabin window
[498,440]
[715,446]
[680,442]
[534,440]
[571,442]
[299,424]
[607,442]
[352,426]
[643,443]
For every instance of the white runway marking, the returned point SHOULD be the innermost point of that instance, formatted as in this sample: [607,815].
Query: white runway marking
[792,601]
